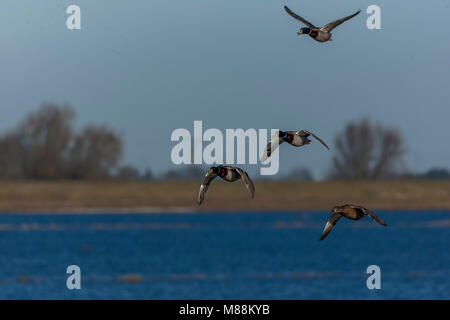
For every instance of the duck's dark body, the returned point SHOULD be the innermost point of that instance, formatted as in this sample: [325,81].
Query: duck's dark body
[320,35]
[295,138]
[227,173]
[314,34]
[351,212]
[348,211]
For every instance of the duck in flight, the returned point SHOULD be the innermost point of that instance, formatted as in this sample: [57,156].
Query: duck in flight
[294,138]
[319,34]
[350,212]
[227,173]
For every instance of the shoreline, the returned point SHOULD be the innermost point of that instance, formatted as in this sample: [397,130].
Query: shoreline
[168,211]
[113,197]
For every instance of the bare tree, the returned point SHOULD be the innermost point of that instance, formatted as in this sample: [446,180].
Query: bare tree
[44,138]
[95,152]
[367,151]
[11,157]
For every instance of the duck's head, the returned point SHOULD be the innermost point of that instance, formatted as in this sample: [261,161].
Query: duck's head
[335,209]
[214,170]
[304,31]
[281,134]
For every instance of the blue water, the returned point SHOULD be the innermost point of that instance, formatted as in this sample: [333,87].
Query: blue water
[224,256]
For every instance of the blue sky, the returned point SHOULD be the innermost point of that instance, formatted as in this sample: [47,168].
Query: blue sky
[148,67]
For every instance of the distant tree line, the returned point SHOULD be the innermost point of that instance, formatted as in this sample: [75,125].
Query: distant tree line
[45,146]
[434,174]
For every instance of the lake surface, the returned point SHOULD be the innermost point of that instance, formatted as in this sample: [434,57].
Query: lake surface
[224,256]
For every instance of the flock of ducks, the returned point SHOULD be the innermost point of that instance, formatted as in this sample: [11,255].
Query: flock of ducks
[294,138]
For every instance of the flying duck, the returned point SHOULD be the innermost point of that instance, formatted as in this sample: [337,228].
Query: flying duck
[227,173]
[294,138]
[350,212]
[319,34]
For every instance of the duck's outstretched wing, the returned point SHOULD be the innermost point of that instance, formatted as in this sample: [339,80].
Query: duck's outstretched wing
[337,22]
[274,142]
[204,187]
[295,16]
[247,181]
[374,217]
[334,218]
[307,133]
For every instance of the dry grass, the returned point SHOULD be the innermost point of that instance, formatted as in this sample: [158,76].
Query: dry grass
[69,196]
